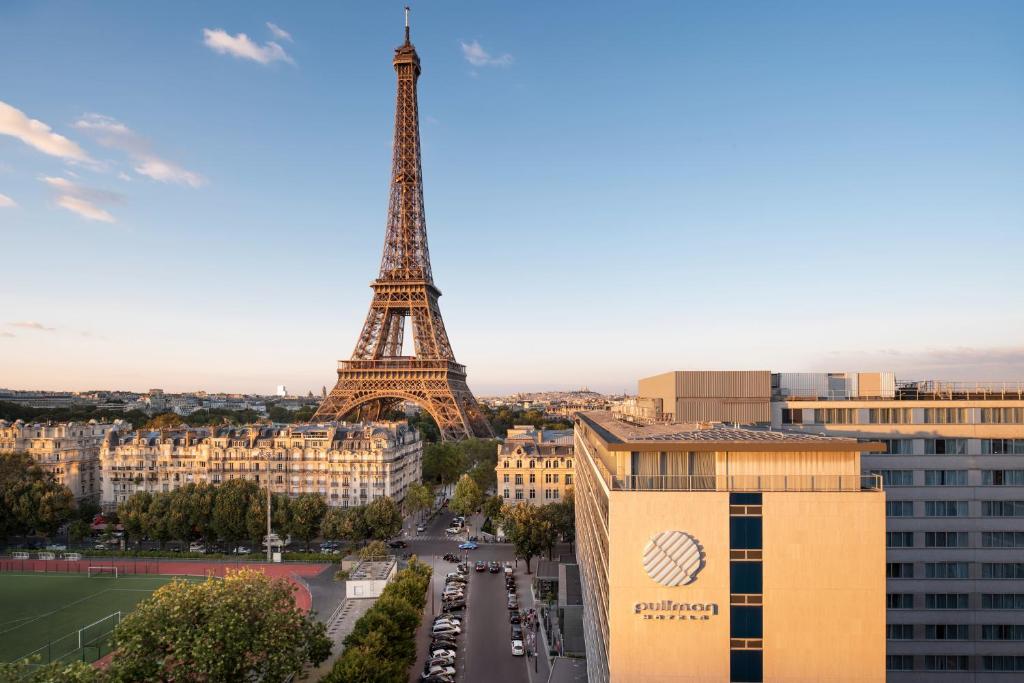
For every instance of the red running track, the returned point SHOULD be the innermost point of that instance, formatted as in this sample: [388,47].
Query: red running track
[293,572]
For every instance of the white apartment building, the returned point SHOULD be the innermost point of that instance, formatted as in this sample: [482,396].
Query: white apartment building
[70,451]
[347,464]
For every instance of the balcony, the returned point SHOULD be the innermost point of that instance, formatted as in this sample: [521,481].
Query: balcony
[750,482]
[401,363]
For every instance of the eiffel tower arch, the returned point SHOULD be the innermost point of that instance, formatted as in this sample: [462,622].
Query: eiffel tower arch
[379,376]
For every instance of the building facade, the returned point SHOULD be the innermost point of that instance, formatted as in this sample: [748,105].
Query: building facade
[535,465]
[347,464]
[709,553]
[954,477]
[70,451]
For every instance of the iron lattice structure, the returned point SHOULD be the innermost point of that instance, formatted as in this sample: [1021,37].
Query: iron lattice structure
[378,376]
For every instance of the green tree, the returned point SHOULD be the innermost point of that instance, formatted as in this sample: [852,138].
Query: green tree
[383,518]
[133,511]
[527,529]
[348,524]
[374,550]
[79,530]
[164,421]
[492,508]
[156,521]
[280,516]
[31,500]
[418,499]
[231,509]
[244,627]
[367,662]
[31,671]
[307,511]
[467,496]
[442,463]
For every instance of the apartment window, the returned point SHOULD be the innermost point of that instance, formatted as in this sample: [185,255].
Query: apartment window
[506,464]
[1002,508]
[899,631]
[945,446]
[895,477]
[533,463]
[1002,539]
[505,479]
[946,663]
[554,478]
[946,570]
[568,479]
[945,508]
[1002,415]
[943,416]
[568,463]
[899,662]
[945,600]
[533,478]
[1002,663]
[519,464]
[1002,601]
[899,601]
[945,632]
[555,493]
[1002,446]
[889,416]
[836,416]
[897,446]
[899,539]
[899,508]
[1002,631]
[945,539]
[519,480]
[533,493]
[505,494]
[899,570]
[792,416]
[519,494]
[945,477]
[1002,477]
[1002,570]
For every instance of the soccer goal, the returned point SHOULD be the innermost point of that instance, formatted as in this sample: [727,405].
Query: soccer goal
[96,571]
[98,630]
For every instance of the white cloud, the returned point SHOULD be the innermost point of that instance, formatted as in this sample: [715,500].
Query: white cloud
[6,202]
[31,325]
[37,134]
[82,200]
[121,175]
[242,47]
[84,208]
[112,133]
[279,32]
[476,55]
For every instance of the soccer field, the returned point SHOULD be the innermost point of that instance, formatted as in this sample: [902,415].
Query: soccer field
[45,613]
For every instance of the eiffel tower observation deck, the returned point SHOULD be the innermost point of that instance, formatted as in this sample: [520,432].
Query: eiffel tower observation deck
[379,377]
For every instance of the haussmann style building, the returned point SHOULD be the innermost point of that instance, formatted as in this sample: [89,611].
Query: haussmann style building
[535,465]
[710,552]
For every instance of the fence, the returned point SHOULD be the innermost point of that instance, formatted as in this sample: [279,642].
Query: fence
[88,644]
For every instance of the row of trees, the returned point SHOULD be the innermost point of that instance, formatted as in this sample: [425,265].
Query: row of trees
[504,417]
[535,529]
[237,510]
[443,463]
[245,627]
[31,500]
[382,644]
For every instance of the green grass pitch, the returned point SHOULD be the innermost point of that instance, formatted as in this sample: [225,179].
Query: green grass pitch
[47,610]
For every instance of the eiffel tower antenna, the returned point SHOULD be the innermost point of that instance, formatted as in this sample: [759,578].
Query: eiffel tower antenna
[379,377]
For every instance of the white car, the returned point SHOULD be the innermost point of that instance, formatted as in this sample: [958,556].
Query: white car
[452,629]
[443,653]
[517,648]
[453,530]
[56,547]
[440,671]
[448,619]
[197,548]
[421,528]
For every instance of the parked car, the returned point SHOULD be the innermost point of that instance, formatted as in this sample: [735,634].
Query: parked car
[439,670]
[56,547]
[452,530]
[514,618]
[243,550]
[456,577]
[398,543]
[517,632]
[463,568]
[454,606]
[517,648]
[480,566]
[446,629]
[513,604]
[468,545]
[441,652]
[196,547]
[493,567]
[451,557]
[443,642]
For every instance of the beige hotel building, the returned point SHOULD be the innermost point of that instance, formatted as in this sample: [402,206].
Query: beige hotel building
[535,465]
[347,464]
[715,553]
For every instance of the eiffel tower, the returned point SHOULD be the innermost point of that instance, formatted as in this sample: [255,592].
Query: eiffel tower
[379,377]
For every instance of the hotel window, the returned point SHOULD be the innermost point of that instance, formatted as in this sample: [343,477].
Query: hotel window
[889,416]
[746,666]
[1002,663]
[1002,477]
[942,416]
[1013,601]
[899,601]
[1002,508]
[1002,539]
[899,662]
[897,446]
[945,539]
[792,416]
[899,631]
[945,446]
[946,570]
[745,533]
[945,600]
[945,508]
[1002,446]
[899,539]
[899,508]
[945,477]
[835,416]
[895,477]
[745,622]
[1002,415]
[945,632]
[899,570]
[1002,631]
[946,663]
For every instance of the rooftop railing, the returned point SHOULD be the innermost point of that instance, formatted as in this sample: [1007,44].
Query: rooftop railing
[401,364]
[750,482]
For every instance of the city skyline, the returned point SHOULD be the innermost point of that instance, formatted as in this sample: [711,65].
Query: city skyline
[803,188]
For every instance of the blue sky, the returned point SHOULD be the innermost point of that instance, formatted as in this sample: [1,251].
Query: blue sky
[610,192]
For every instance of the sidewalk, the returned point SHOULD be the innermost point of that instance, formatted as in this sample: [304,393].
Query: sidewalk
[339,625]
[538,666]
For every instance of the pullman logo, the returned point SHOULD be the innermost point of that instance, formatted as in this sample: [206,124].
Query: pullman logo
[673,558]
